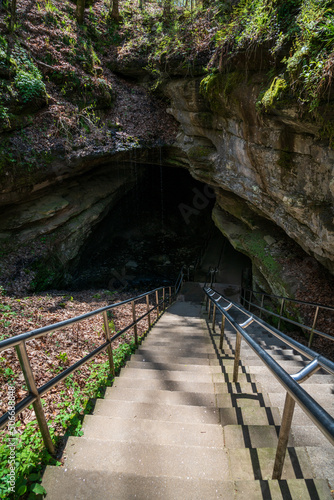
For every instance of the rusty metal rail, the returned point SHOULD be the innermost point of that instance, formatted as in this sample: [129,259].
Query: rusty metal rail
[162,297]
[248,297]
[295,393]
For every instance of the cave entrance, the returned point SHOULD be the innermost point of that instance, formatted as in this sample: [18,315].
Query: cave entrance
[163,222]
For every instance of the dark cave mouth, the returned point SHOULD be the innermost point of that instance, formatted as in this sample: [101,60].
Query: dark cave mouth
[161,224]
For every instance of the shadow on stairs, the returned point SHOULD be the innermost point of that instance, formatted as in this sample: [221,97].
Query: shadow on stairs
[175,426]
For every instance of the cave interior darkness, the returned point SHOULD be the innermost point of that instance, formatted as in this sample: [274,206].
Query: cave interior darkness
[163,222]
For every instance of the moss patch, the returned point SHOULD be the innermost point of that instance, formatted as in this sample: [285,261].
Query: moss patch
[217,87]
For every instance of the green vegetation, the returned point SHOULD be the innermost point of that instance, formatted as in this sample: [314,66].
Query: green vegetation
[303,29]
[256,246]
[31,457]
[217,87]
[29,84]
[25,81]
[274,93]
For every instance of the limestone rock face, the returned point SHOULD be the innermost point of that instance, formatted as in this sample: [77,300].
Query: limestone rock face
[274,162]
[55,219]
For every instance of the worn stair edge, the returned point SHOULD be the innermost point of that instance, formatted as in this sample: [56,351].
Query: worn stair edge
[147,459]
[167,366]
[156,411]
[249,415]
[86,485]
[226,396]
[166,358]
[152,431]
[258,463]
[168,385]
[177,352]
[225,376]
[225,367]
[253,436]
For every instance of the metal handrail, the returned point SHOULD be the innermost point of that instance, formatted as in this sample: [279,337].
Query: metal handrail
[297,301]
[19,342]
[311,329]
[295,393]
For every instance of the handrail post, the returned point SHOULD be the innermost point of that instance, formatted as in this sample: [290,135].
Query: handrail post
[280,313]
[209,309]
[214,317]
[222,331]
[236,357]
[262,302]
[31,385]
[135,321]
[157,302]
[170,295]
[109,348]
[148,308]
[313,326]
[283,438]
[243,297]
[250,299]
[163,298]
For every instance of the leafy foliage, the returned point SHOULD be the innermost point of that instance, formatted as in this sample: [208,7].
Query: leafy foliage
[30,454]
[302,28]
[29,85]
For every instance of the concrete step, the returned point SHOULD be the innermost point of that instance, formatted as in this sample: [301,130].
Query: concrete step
[249,415]
[157,411]
[281,350]
[180,351]
[152,431]
[310,435]
[273,385]
[177,344]
[149,357]
[243,394]
[322,378]
[164,385]
[252,436]
[82,484]
[258,463]
[164,366]
[322,460]
[184,376]
[171,367]
[224,398]
[161,397]
[184,352]
[268,381]
[299,416]
[146,459]
[256,361]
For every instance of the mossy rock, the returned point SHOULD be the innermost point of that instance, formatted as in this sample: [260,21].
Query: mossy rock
[217,88]
[16,122]
[200,153]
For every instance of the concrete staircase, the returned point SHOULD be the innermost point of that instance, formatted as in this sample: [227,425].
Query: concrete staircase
[174,426]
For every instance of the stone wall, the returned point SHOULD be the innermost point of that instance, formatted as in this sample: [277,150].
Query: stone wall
[269,169]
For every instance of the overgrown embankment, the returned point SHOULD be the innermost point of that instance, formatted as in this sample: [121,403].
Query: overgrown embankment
[65,404]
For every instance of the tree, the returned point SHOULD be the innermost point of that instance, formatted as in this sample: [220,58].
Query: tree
[167,8]
[80,11]
[114,14]
[12,15]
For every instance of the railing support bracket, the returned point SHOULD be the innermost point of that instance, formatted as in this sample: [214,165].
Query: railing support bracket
[31,385]
[289,407]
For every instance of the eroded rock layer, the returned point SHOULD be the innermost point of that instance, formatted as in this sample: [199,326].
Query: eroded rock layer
[275,163]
